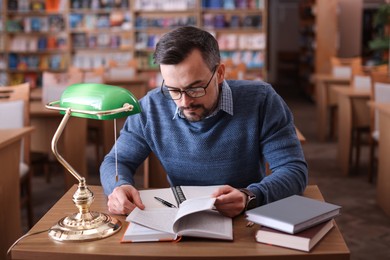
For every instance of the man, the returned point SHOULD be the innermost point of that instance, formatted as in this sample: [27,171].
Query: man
[208,131]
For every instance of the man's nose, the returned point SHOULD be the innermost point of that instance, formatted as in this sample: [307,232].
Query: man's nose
[186,100]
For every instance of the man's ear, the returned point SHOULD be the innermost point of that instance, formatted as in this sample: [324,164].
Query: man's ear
[221,73]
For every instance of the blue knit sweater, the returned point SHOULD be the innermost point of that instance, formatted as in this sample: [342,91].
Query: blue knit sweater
[222,149]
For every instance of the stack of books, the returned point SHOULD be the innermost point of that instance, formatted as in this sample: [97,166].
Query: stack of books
[295,222]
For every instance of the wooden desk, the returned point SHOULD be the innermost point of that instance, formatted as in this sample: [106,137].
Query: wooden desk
[383,179]
[10,219]
[323,82]
[243,247]
[353,112]
[72,144]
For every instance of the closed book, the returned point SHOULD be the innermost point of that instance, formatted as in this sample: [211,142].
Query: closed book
[293,214]
[304,240]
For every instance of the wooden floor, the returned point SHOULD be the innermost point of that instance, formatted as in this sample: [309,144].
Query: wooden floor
[365,227]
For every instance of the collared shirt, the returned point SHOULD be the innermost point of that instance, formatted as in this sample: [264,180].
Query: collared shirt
[225,102]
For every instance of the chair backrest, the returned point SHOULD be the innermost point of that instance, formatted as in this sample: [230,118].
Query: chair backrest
[383,68]
[53,84]
[341,64]
[341,71]
[234,71]
[94,76]
[361,81]
[380,93]
[15,111]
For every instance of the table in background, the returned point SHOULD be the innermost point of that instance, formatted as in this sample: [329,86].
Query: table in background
[383,179]
[40,246]
[353,111]
[73,141]
[322,86]
[10,218]
[301,137]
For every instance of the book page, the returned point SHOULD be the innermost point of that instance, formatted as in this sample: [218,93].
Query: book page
[159,218]
[194,216]
[191,206]
[138,233]
[147,197]
[210,224]
[199,191]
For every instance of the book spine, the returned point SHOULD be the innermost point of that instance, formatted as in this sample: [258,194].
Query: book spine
[179,194]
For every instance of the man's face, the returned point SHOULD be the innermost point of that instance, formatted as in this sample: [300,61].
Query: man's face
[192,73]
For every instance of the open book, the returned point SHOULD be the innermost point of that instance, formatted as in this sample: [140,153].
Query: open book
[194,216]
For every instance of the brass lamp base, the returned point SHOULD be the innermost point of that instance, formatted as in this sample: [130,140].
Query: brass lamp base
[85,225]
[90,226]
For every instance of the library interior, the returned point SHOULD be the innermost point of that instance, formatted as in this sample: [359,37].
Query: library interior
[328,59]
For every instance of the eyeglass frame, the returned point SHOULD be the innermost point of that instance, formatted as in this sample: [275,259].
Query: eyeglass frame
[168,95]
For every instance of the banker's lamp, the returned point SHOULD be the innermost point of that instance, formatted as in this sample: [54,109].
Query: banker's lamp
[93,101]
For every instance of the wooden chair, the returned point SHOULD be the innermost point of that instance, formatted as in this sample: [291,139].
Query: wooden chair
[362,82]
[380,93]
[342,68]
[53,84]
[15,113]
[234,71]
[355,63]
[383,68]
[95,127]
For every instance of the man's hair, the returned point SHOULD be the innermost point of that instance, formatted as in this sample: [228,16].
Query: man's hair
[176,45]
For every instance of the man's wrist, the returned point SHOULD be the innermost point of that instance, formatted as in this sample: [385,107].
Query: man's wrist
[250,201]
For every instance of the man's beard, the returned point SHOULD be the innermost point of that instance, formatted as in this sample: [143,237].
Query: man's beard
[192,116]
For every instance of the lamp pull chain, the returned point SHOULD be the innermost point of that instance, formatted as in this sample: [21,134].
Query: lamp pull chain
[116,153]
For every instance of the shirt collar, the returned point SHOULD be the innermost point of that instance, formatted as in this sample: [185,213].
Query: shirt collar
[225,102]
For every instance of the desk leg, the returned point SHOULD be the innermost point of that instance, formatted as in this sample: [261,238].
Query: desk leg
[74,151]
[383,181]
[9,197]
[344,133]
[322,115]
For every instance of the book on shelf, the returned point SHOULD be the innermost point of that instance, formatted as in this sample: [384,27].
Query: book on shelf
[293,214]
[193,216]
[304,240]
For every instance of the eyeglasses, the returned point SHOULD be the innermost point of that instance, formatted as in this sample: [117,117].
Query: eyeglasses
[176,94]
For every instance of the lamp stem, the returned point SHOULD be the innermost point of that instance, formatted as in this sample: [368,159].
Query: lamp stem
[54,142]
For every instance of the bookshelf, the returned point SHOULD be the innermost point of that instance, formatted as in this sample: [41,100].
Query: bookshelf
[3,60]
[42,35]
[319,39]
[101,32]
[307,44]
[240,28]
[36,40]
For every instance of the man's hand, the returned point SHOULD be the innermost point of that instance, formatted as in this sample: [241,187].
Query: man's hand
[230,201]
[124,199]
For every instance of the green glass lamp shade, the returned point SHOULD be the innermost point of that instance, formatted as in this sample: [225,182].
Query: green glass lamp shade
[97,101]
